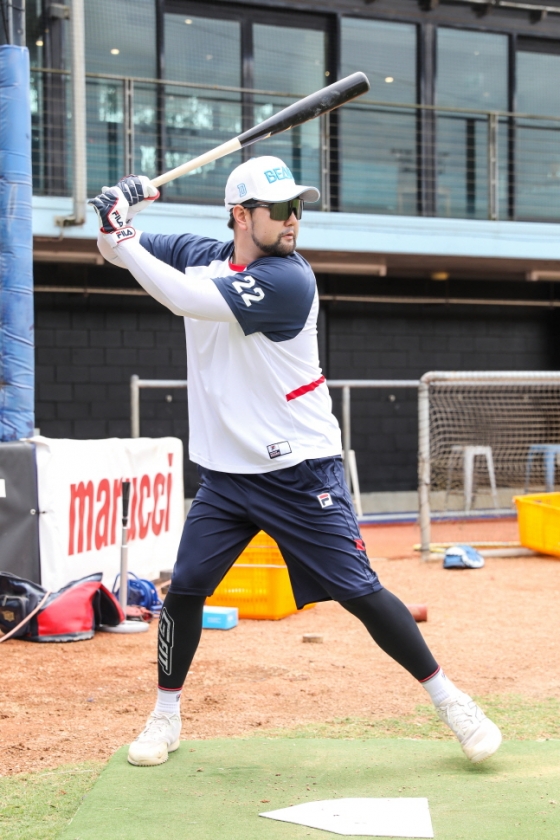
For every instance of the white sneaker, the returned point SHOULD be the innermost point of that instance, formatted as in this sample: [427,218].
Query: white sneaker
[159,738]
[479,737]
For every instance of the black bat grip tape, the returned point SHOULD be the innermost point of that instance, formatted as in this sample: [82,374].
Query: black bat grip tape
[125,502]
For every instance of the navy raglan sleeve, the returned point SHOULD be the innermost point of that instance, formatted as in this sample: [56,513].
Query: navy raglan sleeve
[273,296]
[185,249]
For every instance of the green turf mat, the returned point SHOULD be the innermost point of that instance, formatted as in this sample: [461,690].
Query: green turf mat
[212,790]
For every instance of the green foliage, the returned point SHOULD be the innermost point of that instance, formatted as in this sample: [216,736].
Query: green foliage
[37,806]
[519,718]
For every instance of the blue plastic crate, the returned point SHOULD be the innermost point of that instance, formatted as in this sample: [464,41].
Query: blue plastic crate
[219,618]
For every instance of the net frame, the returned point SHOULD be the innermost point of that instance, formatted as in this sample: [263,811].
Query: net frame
[544,390]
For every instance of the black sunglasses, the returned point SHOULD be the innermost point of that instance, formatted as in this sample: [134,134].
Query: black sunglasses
[280,211]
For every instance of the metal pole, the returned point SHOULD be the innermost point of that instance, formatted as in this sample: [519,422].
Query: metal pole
[125,626]
[134,406]
[493,167]
[79,111]
[324,123]
[123,588]
[424,468]
[12,23]
[128,118]
[355,484]
[346,434]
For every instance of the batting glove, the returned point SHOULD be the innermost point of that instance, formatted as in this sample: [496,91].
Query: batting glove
[112,208]
[138,191]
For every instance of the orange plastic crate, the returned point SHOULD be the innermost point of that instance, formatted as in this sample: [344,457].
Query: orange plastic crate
[538,516]
[258,583]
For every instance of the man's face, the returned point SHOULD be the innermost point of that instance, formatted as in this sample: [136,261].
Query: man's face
[275,239]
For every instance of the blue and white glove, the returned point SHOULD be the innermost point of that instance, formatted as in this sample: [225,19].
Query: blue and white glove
[138,191]
[112,209]
[116,206]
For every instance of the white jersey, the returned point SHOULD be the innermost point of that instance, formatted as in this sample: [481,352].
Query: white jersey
[257,398]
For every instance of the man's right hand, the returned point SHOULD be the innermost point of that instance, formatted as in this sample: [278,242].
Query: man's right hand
[139,192]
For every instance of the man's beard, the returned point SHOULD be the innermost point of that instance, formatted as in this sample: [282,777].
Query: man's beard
[275,249]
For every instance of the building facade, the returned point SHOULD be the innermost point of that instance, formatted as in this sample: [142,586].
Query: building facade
[436,241]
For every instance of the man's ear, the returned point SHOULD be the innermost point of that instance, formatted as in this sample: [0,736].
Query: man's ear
[241,214]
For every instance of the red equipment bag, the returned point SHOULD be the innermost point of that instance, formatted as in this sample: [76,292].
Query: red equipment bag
[69,615]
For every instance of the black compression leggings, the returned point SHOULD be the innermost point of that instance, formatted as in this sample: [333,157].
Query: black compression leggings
[180,628]
[386,618]
[392,627]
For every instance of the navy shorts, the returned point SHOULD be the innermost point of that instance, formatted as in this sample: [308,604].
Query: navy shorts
[306,509]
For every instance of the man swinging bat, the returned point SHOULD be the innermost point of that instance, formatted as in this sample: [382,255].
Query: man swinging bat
[263,435]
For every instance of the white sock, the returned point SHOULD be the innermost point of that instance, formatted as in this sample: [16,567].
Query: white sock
[439,687]
[168,701]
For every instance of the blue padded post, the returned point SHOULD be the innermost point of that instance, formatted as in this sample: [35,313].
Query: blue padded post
[17,417]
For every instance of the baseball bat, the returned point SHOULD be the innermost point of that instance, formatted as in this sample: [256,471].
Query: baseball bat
[320,102]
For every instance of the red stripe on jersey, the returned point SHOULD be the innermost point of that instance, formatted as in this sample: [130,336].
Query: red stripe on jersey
[237,268]
[299,392]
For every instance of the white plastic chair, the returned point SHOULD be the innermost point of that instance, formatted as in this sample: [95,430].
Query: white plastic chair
[468,454]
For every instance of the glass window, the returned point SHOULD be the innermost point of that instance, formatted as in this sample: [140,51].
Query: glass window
[472,72]
[289,61]
[377,142]
[472,69]
[122,44]
[202,51]
[537,148]
[34,34]
[386,53]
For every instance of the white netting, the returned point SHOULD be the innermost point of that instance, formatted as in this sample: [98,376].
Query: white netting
[519,422]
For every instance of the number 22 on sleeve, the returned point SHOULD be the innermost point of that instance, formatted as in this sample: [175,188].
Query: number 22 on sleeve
[248,283]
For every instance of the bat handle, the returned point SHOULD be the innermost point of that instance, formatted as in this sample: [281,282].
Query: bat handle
[232,145]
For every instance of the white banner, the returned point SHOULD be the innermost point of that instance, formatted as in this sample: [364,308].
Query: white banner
[80,506]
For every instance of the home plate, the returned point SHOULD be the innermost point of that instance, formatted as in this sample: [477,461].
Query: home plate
[403,817]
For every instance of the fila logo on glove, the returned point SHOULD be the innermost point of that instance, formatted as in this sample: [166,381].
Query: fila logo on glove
[125,233]
[248,283]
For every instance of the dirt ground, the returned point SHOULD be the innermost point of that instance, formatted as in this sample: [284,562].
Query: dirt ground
[495,631]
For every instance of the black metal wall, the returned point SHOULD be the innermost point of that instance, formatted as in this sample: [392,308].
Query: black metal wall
[89,346]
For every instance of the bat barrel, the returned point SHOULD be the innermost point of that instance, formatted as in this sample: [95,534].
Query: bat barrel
[312,106]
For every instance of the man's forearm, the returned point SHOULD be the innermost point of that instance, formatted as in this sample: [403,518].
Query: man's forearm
[183,296]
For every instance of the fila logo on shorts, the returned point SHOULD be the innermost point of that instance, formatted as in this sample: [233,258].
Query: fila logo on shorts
[277,449]
[325,500]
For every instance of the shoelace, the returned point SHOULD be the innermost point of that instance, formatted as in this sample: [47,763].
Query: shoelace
[462,714]
[156,725]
